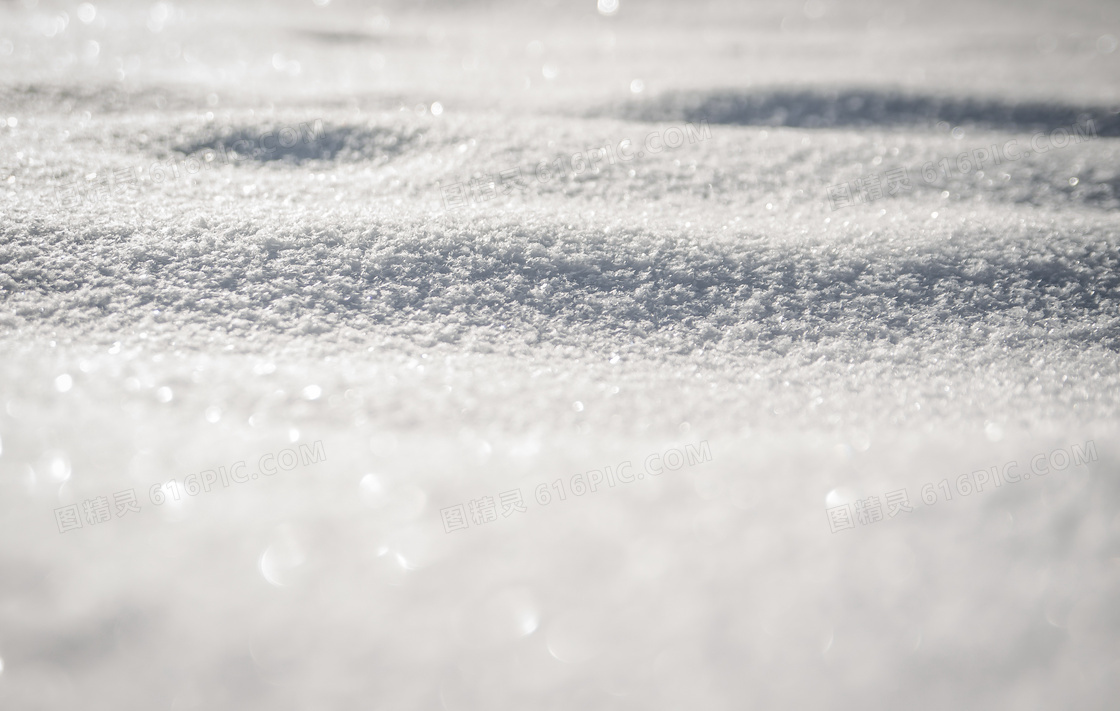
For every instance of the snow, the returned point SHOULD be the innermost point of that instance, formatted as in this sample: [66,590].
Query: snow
[312,283]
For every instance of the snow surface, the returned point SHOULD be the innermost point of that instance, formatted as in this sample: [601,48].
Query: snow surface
[325,291]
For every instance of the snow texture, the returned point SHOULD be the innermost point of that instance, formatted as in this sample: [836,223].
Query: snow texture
[226,232]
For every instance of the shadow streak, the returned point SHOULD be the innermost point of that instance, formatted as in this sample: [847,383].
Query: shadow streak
[865,108]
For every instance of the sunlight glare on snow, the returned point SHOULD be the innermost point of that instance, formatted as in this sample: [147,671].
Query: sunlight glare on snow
[608,7]
[60,468]
[839,496]
[280,562]
[312,392]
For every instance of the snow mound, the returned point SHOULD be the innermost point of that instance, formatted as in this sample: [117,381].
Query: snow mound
[1019,283]
[306,141]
